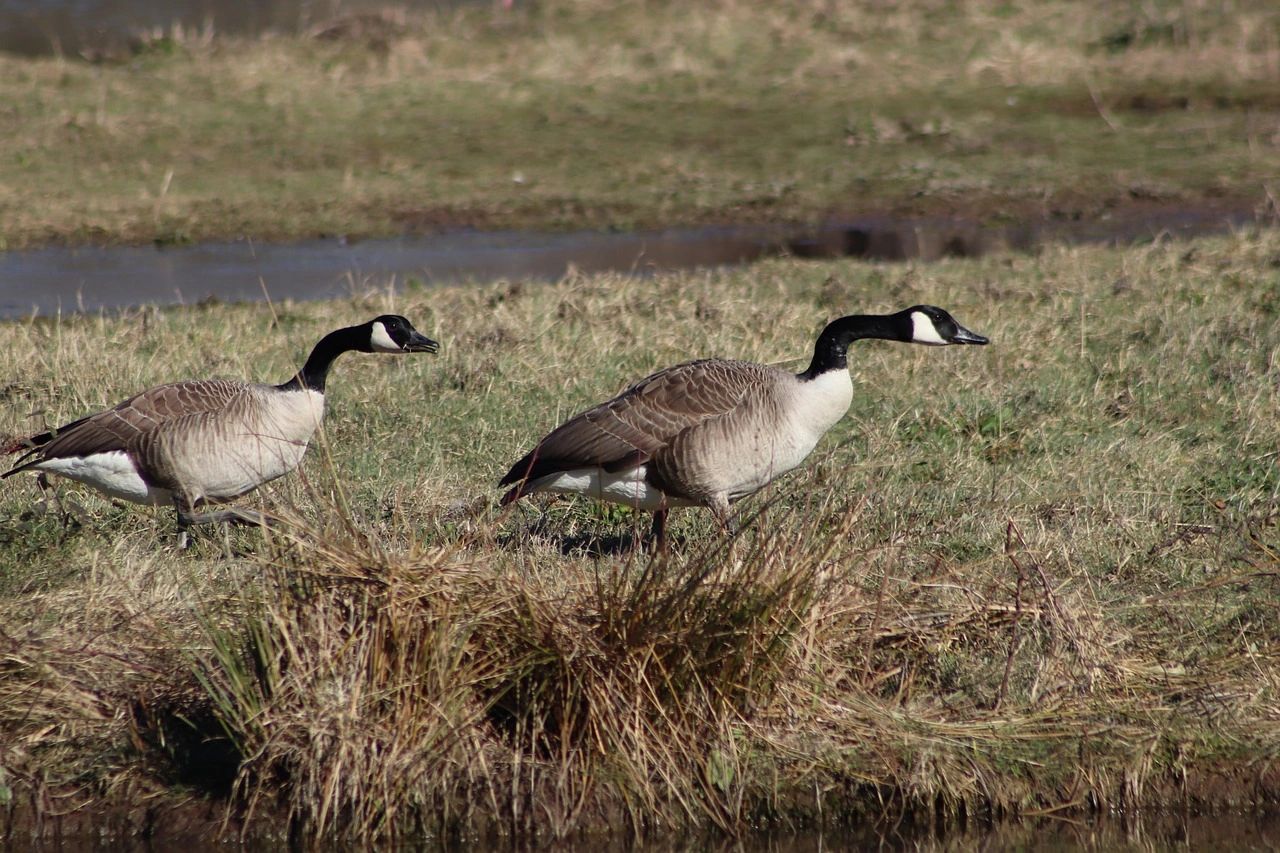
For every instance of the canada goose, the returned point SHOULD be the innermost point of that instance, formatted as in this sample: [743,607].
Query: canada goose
[709,432]
[206,440]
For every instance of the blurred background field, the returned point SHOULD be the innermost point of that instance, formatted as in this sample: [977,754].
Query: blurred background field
[569,115]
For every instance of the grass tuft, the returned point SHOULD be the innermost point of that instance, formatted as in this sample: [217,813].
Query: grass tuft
[373,695]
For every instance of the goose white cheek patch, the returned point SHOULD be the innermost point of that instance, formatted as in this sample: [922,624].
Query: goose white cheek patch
[923,331]
[381,341]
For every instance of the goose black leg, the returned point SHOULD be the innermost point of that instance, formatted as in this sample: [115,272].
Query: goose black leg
[234,515]
[188,517]
[49,494]
[719,506]
[658,535]
[182,507]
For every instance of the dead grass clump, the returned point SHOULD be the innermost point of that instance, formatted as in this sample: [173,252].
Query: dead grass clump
[350,688]
[628,686]
[53,718]
[373,695]
[78,696]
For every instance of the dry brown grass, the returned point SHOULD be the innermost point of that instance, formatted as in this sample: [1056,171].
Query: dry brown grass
[1037,579]
[436,692]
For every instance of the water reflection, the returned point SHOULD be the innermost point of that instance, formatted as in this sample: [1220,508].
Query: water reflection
[1141,834]
[1145,833]
[48,281]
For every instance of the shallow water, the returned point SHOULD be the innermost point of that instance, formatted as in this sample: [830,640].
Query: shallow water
[1151,834]
[48,281]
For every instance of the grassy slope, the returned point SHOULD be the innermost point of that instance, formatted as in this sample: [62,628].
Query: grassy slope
[590,114]
[1097,492]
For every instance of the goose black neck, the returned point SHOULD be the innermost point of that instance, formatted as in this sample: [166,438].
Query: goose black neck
[830,352]
[312,375]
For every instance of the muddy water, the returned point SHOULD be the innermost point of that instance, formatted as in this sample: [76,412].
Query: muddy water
[1236,833]
[44,282]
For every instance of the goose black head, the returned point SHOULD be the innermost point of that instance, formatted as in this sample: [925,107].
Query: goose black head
[394,334]
[929,324]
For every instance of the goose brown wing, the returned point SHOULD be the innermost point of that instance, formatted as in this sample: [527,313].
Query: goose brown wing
[642,420]
[129,424]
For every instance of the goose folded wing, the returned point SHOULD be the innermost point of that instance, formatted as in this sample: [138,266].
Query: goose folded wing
[127,424]
[638,423]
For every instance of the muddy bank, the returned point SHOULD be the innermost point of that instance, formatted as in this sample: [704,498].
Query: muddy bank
[49,281]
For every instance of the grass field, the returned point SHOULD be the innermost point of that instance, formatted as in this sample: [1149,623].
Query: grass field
[1034,577]
[601,115]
